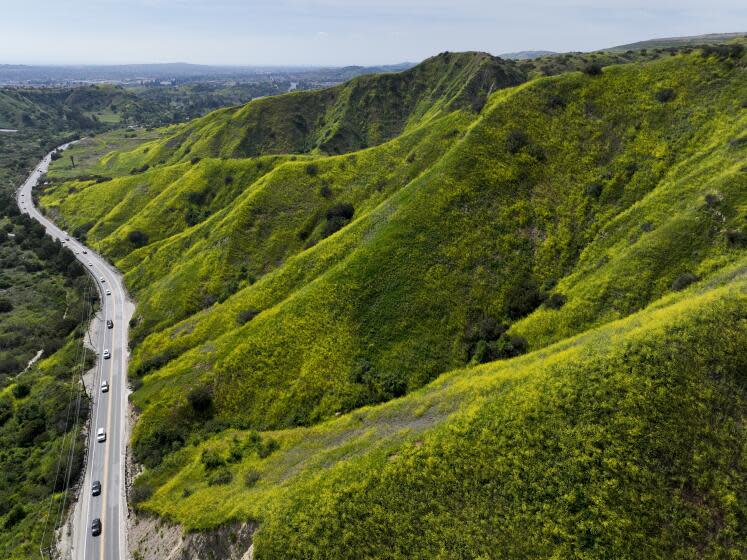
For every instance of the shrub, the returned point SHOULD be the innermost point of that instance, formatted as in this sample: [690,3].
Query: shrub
[342,210]
[593,69]
[222,476]
[6,410]
[523,298]
[141,492]
[683,281]
[712,200]
[211,459]
[325,191]
[555,301]
[201,399]
[194,160]
[251,478]
[137,238]
[5,305]
[228,179]
[556,102]
[594,189]
[246,315]
[505,346]
[15,516]
[736,238]
[21,390]
[516,140]
[312,169]
[338,216]
[722,52]
[665,95]
[265,448]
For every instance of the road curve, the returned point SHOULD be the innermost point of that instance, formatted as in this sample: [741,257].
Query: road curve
[106,461]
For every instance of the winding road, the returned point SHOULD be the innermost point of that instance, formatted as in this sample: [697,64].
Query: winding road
[106,461]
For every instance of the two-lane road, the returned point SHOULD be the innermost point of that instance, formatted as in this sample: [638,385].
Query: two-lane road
[105,460]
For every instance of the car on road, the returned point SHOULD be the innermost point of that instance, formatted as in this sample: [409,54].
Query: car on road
[67,238]
[104,386]
[76,252]
[102,279]
[96,488]
[101,435]
[107,354]
[96,527]
[85,252]
[108,292]
[90,263]
[109,324]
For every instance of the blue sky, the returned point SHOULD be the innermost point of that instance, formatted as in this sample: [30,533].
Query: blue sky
[336,32]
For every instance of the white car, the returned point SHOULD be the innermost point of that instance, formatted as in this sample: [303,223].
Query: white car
[102,279]
[104,386]
[107,355]
[90,263]
[108,292]
[101,435]
[76,252]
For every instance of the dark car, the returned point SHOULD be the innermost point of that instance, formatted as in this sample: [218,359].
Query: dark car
[96,488]
[96,527]
[109,324]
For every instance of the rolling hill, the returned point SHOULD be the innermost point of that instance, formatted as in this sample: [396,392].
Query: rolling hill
[320,276]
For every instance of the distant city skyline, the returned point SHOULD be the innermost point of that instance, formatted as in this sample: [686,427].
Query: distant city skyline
[336,32]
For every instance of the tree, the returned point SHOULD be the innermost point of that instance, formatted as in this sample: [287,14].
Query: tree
[137,238]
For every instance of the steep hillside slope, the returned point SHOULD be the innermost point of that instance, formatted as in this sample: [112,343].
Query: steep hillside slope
[363,112]
[565,216]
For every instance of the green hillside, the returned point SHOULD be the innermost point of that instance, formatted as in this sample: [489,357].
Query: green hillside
[427,222]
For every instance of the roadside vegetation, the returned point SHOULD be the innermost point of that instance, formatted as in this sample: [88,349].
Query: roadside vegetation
[45,302]
[446,312]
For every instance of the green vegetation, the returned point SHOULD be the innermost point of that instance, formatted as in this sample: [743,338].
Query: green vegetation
[44,306]
[45,300]
[302,291]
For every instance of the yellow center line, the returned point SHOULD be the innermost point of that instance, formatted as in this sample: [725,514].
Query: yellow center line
[105,481]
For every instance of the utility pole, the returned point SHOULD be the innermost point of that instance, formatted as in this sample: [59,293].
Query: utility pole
[72,161]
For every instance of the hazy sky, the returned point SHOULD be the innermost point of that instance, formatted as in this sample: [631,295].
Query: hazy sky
[337,32]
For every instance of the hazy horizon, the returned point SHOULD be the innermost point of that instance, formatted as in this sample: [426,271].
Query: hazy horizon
[334,32]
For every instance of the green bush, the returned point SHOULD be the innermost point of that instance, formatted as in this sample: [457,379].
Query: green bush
[246,315]
[21,390]
[665,95]
[516,140]
[220,477]
[211,459]
[200,398]
[141,492]
[683,281]
[736,238]
[251,478]
[137,238]
[555,301]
